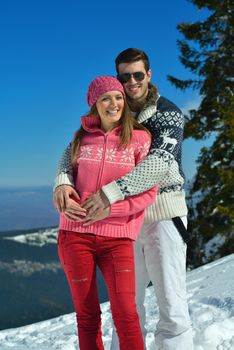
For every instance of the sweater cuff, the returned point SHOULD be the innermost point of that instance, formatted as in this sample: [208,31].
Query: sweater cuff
[63,179]
[113,192]
[117,210]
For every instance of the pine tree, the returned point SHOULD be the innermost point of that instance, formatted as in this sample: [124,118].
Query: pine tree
[207,50]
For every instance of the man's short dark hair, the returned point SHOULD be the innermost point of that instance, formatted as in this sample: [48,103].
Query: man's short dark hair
[132,55]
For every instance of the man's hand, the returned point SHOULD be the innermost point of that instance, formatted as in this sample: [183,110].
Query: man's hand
[103,214]
[74,211]
[62,195]
[95,204]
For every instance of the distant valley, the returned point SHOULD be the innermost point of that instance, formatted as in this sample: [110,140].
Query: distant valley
[27,208]
[33,286]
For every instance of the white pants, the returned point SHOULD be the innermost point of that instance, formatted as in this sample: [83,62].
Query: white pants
[160,257]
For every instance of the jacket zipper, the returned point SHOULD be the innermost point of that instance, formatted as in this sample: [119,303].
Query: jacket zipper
[102,162]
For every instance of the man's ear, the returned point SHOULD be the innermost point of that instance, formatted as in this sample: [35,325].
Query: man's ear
[149,73]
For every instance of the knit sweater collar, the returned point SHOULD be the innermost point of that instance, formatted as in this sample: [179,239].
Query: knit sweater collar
[150,106]
[92,123]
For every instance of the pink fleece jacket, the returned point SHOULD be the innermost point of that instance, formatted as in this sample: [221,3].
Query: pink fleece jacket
[100,161]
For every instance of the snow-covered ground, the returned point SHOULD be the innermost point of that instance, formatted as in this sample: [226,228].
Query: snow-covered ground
[211,304]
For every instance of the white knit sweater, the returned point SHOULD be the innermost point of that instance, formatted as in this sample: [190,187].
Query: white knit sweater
[162,166]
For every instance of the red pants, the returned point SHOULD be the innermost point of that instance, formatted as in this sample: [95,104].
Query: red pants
[79,254]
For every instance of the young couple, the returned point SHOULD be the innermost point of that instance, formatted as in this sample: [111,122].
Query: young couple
[104,183]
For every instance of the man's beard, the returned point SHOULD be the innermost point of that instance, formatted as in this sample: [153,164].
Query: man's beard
[136,105]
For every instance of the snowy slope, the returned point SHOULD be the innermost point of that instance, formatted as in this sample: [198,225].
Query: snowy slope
[211,303]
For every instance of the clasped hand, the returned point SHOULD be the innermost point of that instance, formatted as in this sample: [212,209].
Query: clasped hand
[95,208]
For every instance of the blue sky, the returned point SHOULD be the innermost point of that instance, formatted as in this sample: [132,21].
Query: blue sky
[52,49]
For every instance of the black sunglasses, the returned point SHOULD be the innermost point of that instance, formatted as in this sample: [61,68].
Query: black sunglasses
[125,77]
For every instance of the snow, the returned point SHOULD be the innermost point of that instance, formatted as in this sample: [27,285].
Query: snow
[27,268]
[211,305]
[38,238]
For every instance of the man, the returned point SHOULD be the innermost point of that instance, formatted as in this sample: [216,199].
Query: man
[160,251]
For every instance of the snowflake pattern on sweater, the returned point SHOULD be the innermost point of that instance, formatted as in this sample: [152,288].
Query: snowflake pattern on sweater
[94,154]
[166,126]
[162,166]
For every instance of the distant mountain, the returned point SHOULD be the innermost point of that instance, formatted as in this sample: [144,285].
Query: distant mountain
[27,208]
[211,306]
[33,284]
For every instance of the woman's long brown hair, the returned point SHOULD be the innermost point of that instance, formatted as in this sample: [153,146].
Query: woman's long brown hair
[127,123]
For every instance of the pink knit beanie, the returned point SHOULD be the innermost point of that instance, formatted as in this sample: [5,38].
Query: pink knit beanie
[101,85]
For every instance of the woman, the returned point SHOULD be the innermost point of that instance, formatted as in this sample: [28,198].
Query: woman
[108,145]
